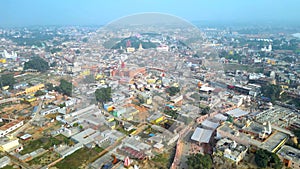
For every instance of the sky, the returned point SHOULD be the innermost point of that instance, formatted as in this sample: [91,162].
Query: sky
[100,12]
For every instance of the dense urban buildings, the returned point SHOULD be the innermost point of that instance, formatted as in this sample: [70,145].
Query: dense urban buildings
[164,95]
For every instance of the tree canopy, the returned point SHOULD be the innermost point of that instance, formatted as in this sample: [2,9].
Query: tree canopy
[7,80]
[37,63]
[199,161]
[264,158]
[103,95]
[49,86]
[205,110]
[39,93]
[173,90]
[65,87]
[271,91]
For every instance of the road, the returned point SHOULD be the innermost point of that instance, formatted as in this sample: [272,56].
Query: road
[180,146]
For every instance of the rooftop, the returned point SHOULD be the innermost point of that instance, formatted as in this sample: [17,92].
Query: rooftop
[202,135]
[9,125]
[290,153]
[209,124]
[237,112]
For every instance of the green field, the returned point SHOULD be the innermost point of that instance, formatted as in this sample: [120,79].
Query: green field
[45,159]
[78,159]
[44,142]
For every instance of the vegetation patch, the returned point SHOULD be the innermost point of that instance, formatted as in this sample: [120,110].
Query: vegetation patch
[77,159]
[44,142]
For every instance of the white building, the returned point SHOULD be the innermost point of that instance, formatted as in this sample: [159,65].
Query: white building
[4,161]
[232,150]
[50,110]
[8,144]
[163,48]
[9,127]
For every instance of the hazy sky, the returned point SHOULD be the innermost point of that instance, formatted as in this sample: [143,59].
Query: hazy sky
[98,12]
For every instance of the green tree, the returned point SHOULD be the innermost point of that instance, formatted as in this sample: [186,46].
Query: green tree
[205,110]
[37,63]
[65,87]
[199,161]
[261,158]
[77,51]
[50,87]
[39,93]
[173,90]
[55,50]
[103,95]
[264,158]
[272,91]
[171,112]
[62,105]
[7,80]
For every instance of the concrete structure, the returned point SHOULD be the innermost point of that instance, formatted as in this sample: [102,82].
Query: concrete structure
[50,110]
[290,156]
[4,161]
[249,134]
[237,112]
[8,144]
[201,135]
[209,124]
[85,137]
[232,150]
[9,127]
[65,150]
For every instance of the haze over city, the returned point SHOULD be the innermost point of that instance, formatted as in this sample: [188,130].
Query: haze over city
[94,12]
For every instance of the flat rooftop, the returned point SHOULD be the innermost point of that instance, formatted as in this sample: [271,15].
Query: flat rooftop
[271,143]
[9,125]
[237,112]
[290,153]
[279,116]
[202,135]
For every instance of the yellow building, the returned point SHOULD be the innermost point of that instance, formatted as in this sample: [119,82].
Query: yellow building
[110,118]
[270,61]
[158,120]
[2,60]
[30,99]
[34,88]
[130,49]
[99,76]
[151,81]
[85,72]
[8,144]
[5,87]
